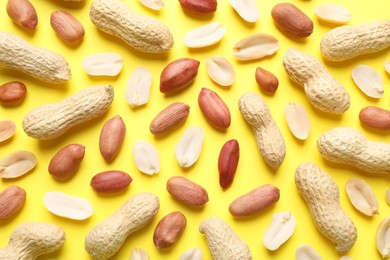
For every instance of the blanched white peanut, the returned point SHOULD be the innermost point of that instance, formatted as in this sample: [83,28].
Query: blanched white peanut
[146,157]
[17,164]
[220,70]
[297,120]
[279,231]
[153,4]
[362,196]
[7,129]
[246,9]
[192,254]
[138,87]
[64,205]
[103,64]
[306,252]
[333,13]
[205,35]
[255,46]
[368,80]
[139,254]
[189,147]
[383,237]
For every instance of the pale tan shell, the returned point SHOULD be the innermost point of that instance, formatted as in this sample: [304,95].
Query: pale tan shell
[324,92]
[107,237]
[350,41]
[269,139]
[143,33]
[32,239]
[322,196]
[348,146]
[52,120]
[43,64]
[223,242]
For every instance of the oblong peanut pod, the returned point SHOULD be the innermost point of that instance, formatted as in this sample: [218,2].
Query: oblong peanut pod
[107,237]
[49,121]
[348,146]
[322,197]
[350,41]
[323,91]
[143,33]
[32,239]
[40,63]
[269,139]
[223,242]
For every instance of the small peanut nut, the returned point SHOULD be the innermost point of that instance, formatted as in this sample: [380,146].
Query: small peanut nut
[228,162]
[170,117]
[23,13]
[12,200]
[67,27]
[199,7]
[214,109]
[255,201]
[266,80]
[169,229]
[66,162]
[112,137]
[187,191]
[12,93]
[291,20]
[375,117]
[110,181]
[178,74]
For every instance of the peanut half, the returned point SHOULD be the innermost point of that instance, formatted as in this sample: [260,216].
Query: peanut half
[348,146]
[205,35]
[139,254]
[323,91]
[187,150]
[223,242]
[306,252]
[220,70]
[279,231]
[53,120]
[382,238]
[138,87]
[322,196]
[192,254]
[246,9]
[43,64]
[146,157]
[7,129]
[368,80]
[17,164]
[362,196]
[255,46]
[143,33]
[269,139]
[67,206]
[333,13]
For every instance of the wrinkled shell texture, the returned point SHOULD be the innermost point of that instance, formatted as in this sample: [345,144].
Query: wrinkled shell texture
[107,237]
[348,146]
[268,136]
[323,91]
[223,242]
[52,120]
[350,41]
[34,239]
[43,64]
[322,197]
[116,18]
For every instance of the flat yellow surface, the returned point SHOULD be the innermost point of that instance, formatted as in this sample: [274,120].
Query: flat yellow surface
[252,171]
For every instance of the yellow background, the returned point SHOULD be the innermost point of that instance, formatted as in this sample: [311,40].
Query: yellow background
[252,171]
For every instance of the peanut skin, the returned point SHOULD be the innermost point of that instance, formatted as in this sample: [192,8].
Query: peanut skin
[66,162]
